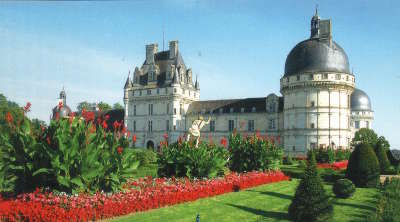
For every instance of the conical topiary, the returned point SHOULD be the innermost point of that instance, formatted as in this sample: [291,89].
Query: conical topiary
[310,203]
[380,152]
[363,168]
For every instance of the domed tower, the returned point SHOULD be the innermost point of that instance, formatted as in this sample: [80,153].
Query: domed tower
[361,112]
[316,86]
[61,110]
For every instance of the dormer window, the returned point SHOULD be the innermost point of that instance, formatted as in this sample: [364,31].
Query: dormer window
[325,76]
[337,76]
[231,110]
[253,109]
[311,77]
[298,77]
[242,110]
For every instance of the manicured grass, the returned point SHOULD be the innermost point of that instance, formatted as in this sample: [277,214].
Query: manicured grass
[264,203]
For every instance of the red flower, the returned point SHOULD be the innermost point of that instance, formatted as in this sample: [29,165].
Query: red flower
[120,150]
[27,108]
[165,136]
[48,140]
[104,125]
[9,118]
[134,138]
[116,125]
[42,128]
[223,141]
[107,117]
[258,133]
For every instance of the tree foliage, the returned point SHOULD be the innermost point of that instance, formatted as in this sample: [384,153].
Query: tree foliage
[311,203]
[104,106]
[381,153]
[363,168]
[117,106]
[366,136]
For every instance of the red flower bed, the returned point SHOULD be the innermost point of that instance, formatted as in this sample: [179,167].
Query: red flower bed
[141,195]
[336,165]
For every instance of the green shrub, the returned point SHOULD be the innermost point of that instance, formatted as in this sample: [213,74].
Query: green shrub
[363,168]
[288,160]
[145,156]
[393,156]
[329,175]
[302,164]
[325,155]
[253,153]
[310,203]
[388,207]
[344,188]
[183,159]
[380,152]
[71,155]
[342,154]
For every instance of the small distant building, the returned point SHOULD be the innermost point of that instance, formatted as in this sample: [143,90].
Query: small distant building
[61,111]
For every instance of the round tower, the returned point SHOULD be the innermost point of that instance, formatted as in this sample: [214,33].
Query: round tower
[316,87]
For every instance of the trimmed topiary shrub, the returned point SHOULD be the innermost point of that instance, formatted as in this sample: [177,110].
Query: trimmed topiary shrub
[329,175]
[363,168]
[325,155]
[311,203]
[344,188]
[380,152]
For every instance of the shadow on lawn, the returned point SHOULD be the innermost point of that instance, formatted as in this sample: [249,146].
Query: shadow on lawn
[274,194]
[265,214]
[364,207]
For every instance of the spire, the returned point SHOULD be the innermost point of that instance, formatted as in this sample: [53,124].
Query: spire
[315,24]
[196,84]
[127,83]
[63,96]
[316,10]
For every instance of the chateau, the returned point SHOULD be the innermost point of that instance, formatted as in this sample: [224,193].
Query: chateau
[319,106]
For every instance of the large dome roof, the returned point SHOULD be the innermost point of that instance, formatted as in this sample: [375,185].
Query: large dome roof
[316,55]
[360,101]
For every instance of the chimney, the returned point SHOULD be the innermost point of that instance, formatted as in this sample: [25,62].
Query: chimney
[173,49]
[150,51]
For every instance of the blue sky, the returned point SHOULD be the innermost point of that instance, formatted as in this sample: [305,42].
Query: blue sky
[237,48]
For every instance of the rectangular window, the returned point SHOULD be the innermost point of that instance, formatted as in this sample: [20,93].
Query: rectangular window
[174,111]
[367,124]
[167,108]
[231,125]
[325,76]
[134,126]
[149,92]
[312,125]
[150,126]
[313,145]
[167,125]
[310,77]
[134,110]
[271,124]
[212,125]
[312,103]
[140,92]
[337,76]
[158,91]
[298,77]
[357,123]
[174,127]
[150,109]
[250,125]
[181,109]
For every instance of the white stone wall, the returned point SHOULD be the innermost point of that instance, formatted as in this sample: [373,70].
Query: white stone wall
[316,111]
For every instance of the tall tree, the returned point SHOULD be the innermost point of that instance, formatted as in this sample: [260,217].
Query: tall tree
[103,106]
[366,136]
[311,203]
[117,106]
[85,105]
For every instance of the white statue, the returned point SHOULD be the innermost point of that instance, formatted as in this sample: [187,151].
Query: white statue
[194,130]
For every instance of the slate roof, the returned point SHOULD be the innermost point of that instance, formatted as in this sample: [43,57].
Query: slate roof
[214,106]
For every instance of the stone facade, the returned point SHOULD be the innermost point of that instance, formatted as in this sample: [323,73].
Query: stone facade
[315,109]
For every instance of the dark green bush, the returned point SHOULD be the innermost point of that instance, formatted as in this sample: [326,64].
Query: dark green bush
[388,207]
[302,164]
[363,168]
[253,153]
[329,175]
[380,152]
[310,203]
[184,160]
[325,155]
[344,188]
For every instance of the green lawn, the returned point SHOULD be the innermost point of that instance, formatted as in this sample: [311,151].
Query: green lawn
[264,203]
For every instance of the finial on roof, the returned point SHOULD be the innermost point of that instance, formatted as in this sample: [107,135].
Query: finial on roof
[316,9]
